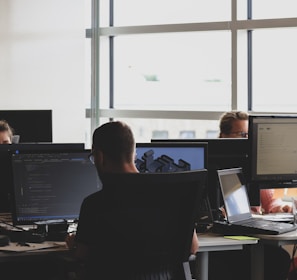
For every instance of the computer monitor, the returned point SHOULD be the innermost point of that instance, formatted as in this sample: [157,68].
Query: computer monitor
[224,153]
[5,165]
[31,125]
[50,186]
[273,149]
[170,157]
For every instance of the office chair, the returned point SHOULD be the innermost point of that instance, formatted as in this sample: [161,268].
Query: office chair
[148,220]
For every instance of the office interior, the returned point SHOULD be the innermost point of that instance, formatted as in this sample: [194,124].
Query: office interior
[170,75]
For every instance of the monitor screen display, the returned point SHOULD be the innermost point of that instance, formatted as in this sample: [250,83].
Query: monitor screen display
[51,185]
[5,165]
[273,148]
[30,125]
[170,157]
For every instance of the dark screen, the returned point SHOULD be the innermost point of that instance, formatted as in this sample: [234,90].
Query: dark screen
[5,165]
[6,180]
[51,185]
[31,125]
[224,153]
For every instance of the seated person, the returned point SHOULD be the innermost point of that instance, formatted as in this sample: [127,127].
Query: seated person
[113,151]
[234,124]
[6,132]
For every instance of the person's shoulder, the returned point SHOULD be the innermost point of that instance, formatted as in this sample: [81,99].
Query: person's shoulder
[94,196]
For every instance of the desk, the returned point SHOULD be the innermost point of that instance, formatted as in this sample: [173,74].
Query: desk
[59,249]
[215,242]
[36,264]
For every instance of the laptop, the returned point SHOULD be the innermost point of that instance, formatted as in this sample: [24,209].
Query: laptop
[239,216]
[278,217]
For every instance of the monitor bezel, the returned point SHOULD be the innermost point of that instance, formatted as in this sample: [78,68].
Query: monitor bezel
[31,125]
[46,219]
[279,180]
[5,163]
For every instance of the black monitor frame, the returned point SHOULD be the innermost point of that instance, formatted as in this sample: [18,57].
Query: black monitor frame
[31,125]
[53,186]
[273,160]
[224,153]
[5,165]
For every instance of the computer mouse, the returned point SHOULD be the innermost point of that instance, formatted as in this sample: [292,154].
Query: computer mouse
[4,240]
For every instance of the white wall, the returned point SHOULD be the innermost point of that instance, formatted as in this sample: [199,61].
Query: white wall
[44,62]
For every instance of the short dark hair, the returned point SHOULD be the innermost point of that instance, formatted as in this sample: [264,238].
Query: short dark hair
[227,119]
[116,140]
[4,126]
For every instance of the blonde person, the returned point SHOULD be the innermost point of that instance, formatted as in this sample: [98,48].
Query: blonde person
[234,124]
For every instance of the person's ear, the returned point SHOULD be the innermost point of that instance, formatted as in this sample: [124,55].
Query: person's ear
[99,158]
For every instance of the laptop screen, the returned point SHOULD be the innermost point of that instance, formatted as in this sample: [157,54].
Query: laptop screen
[234,194]
[170,156]
[51,185]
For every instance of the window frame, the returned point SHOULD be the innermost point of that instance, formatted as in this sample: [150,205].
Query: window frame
[234,25]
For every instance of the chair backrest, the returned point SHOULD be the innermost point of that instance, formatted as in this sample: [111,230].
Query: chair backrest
[154,214]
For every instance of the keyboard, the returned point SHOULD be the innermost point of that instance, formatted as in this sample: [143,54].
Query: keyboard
[17,235]
[277,217]
[250,228]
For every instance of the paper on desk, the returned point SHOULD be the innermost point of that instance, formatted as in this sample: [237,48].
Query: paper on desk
[239,237]
[15,247]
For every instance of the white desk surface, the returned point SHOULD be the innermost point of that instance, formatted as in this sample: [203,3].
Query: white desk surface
[287,238]
[217,242]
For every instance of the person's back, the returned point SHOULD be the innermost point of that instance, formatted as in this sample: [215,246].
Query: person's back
[113,153]
[152,214]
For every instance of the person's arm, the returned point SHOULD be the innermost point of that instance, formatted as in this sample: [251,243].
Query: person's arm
[272,205]
[80,253]
[80,250]
[195,243]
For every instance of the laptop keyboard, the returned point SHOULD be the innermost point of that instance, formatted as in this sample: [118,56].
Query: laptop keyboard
[267,224]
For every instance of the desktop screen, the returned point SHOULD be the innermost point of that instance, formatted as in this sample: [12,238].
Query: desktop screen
[170,157]
[5,165]
[273,149]
[30,125]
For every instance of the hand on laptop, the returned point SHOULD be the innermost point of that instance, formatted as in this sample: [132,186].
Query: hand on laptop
[281,208]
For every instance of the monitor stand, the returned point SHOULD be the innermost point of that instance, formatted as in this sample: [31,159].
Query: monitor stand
[54,231]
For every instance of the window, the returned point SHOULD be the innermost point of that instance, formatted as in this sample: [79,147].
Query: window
[274,61]
[192,61]
[159,65]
